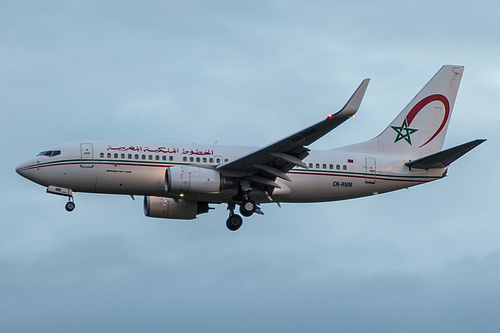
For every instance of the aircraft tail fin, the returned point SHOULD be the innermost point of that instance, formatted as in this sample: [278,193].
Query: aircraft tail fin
[419,130]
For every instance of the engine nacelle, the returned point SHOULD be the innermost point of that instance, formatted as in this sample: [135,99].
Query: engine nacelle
[193,180]
[169,208]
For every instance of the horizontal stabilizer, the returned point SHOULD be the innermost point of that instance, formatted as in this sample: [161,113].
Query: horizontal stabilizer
[444,158]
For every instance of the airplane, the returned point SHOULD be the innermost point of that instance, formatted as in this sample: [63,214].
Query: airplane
[181,181]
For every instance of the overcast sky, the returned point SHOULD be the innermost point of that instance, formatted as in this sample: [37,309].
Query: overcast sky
[248,73]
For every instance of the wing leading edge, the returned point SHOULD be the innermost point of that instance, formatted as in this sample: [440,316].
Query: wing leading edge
[264,165]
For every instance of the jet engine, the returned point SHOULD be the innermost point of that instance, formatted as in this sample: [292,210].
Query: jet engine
[169,208]
[192,180]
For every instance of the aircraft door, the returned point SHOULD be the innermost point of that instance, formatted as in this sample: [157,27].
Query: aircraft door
[371,170]
[87,155]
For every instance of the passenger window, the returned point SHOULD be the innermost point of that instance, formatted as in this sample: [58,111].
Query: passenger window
[345,167]
[226,160]
[130,156]
[185,159]
[108,155]
[170,158]
[198,159]
[317,165]
[122,156]
[217,160]
[102,155]
[331,166]
[164,157]
[204,160]
[116,155]
[191,159]
[158,157]
[136,156]
[211,160]
[324,166]
[310,165]
[338,166]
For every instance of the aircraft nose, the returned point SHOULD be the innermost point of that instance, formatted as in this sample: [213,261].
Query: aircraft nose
[23,170]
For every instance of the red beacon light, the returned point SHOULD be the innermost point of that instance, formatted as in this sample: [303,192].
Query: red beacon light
[330,116]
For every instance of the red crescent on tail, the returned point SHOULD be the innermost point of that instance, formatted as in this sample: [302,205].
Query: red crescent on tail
[420,105]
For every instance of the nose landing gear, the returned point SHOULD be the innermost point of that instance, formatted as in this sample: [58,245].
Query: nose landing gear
[70,205]
[66,192]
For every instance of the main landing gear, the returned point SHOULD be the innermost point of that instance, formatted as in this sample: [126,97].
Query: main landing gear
[247,208]
[234,222]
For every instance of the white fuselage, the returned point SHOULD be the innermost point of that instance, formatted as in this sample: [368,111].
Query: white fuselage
[138,168]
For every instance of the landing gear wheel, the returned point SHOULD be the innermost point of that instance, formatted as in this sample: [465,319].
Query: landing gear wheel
[70,205]
[247,208]
[234,222]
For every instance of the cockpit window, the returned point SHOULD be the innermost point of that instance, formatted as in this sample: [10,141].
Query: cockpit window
[49,153]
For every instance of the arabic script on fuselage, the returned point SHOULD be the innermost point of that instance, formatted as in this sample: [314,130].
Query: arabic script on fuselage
[163,150]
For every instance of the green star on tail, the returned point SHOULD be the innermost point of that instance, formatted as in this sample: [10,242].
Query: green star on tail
[404,132]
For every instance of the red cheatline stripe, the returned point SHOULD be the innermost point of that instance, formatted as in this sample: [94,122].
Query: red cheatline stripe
[378,177]
[359,176]
[95,163]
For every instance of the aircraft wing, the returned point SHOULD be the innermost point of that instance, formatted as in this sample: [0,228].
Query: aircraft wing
[263,165]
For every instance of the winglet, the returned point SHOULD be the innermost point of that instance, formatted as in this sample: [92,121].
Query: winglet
[354,102]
